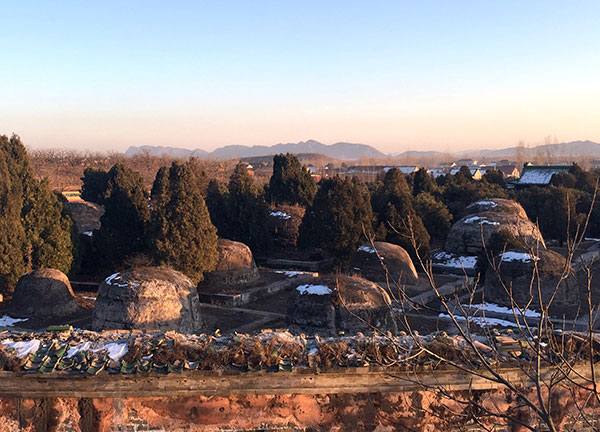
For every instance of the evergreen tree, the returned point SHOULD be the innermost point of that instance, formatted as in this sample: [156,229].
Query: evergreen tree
[160,187]
[12,235]
[423,182]
[338,218]
[291,183]
[181,233]
[435,216]
[495,177]
[217,198]
[93,185]
[123,225]
[47,227]
[248,212]
[396,217]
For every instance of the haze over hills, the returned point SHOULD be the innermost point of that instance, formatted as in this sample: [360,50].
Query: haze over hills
[340,150]
[557,151]
[353,151]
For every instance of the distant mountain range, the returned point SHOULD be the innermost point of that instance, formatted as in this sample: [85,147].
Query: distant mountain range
[557,151]
[353,151]
[340,150]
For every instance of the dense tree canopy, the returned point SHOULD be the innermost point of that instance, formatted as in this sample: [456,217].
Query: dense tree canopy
[123,225]
[35,230]
[247,212]
[181,233]
[291,183]
[338,218]
[397,220]
[93,185]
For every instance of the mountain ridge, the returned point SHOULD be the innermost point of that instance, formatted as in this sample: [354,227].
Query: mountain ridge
[339,150]
[353,151]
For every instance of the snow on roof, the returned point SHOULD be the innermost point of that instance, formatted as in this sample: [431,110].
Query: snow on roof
[472,170]
[540,175]
[314,289]
[22,348]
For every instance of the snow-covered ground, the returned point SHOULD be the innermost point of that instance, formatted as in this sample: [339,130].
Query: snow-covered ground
[492,307]
[7,321]
[448,260]
[292,273]
[314,289]
[481,321]
[511,256]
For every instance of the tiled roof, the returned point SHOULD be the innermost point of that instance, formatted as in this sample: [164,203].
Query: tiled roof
[540,175]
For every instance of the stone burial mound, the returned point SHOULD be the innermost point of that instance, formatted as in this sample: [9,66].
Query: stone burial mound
[152,298]
[43,293]
[284,224]
[235,265]
[516,268]
[367,262]
[340,303]
[486,218]
[86,215]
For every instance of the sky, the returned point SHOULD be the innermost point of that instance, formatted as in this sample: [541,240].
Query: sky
[398,75]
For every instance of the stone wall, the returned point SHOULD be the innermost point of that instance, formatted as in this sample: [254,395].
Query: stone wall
[257,402]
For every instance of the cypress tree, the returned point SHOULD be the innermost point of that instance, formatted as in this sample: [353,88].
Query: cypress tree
[160,186]
[338,218]
[126,213]
[396,217]
[46,226]
[248,212]
[181,233]
[93,185]
[217,197]
[291,183]
[423,183]
[12,234]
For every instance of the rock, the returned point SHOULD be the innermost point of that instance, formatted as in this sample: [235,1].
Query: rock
[366,263]
[316,307]
[235,265]
[465,236]
[43,293]
[86,215]
[284,224]
[516,271]
[153,298]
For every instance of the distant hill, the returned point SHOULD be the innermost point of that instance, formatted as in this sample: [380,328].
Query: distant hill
[340,150]
[569,149]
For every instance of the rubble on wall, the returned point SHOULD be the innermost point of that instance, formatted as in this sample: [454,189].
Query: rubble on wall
[130,352]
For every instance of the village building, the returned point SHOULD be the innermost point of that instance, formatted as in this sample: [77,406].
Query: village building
[475,172]
[539,175]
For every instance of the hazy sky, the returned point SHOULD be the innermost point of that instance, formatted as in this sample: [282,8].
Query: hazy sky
[399,75]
